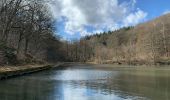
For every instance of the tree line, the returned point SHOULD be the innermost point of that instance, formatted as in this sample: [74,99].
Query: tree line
[147,43]
[27,32]
[27,35]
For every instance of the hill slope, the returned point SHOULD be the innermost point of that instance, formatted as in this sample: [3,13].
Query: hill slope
[145,43]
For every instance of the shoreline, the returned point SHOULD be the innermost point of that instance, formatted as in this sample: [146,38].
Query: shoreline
[11,71]
[133,63]
[16,71]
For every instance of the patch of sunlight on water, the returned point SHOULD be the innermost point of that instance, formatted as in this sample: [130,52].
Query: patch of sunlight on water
[75,75]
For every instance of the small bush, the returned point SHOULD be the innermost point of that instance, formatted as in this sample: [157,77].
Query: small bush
[9,53]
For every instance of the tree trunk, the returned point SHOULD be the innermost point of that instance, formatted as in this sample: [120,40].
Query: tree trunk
[26,46]
[19,42]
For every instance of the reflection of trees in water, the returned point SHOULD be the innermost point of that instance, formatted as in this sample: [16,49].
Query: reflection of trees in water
[127,86]
[30,89]
[105,88]
[124,85]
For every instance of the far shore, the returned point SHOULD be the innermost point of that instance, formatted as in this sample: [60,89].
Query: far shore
[13,71]
[134,63]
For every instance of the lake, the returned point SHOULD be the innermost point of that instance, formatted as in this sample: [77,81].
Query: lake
[90,82]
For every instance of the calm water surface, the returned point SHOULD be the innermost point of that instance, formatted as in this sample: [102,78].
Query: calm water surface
[86,82]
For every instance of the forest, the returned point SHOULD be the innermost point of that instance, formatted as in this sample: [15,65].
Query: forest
[146,43]
[28,36]
[27,33]
[84,50]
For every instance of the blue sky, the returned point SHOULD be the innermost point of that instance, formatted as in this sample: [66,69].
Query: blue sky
[154,8]
[77,18]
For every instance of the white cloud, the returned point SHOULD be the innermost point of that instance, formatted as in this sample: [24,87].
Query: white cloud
[135,18]
[85,33]
[99,14]
[98,31]
[166,12]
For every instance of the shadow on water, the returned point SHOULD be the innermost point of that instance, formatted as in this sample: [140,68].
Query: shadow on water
[84,83]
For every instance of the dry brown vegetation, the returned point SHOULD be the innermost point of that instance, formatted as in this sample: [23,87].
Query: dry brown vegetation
[147,43]
[26,32]
[27,36]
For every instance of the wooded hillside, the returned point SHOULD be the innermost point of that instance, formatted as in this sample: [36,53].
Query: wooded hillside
[143,44]
[27,35]
[26,32]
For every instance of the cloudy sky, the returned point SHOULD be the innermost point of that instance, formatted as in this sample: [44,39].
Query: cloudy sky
[76,18]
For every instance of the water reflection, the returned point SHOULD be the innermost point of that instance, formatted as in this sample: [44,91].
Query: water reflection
[89,84]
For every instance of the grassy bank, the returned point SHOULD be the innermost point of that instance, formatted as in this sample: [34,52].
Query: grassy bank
[13,71]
